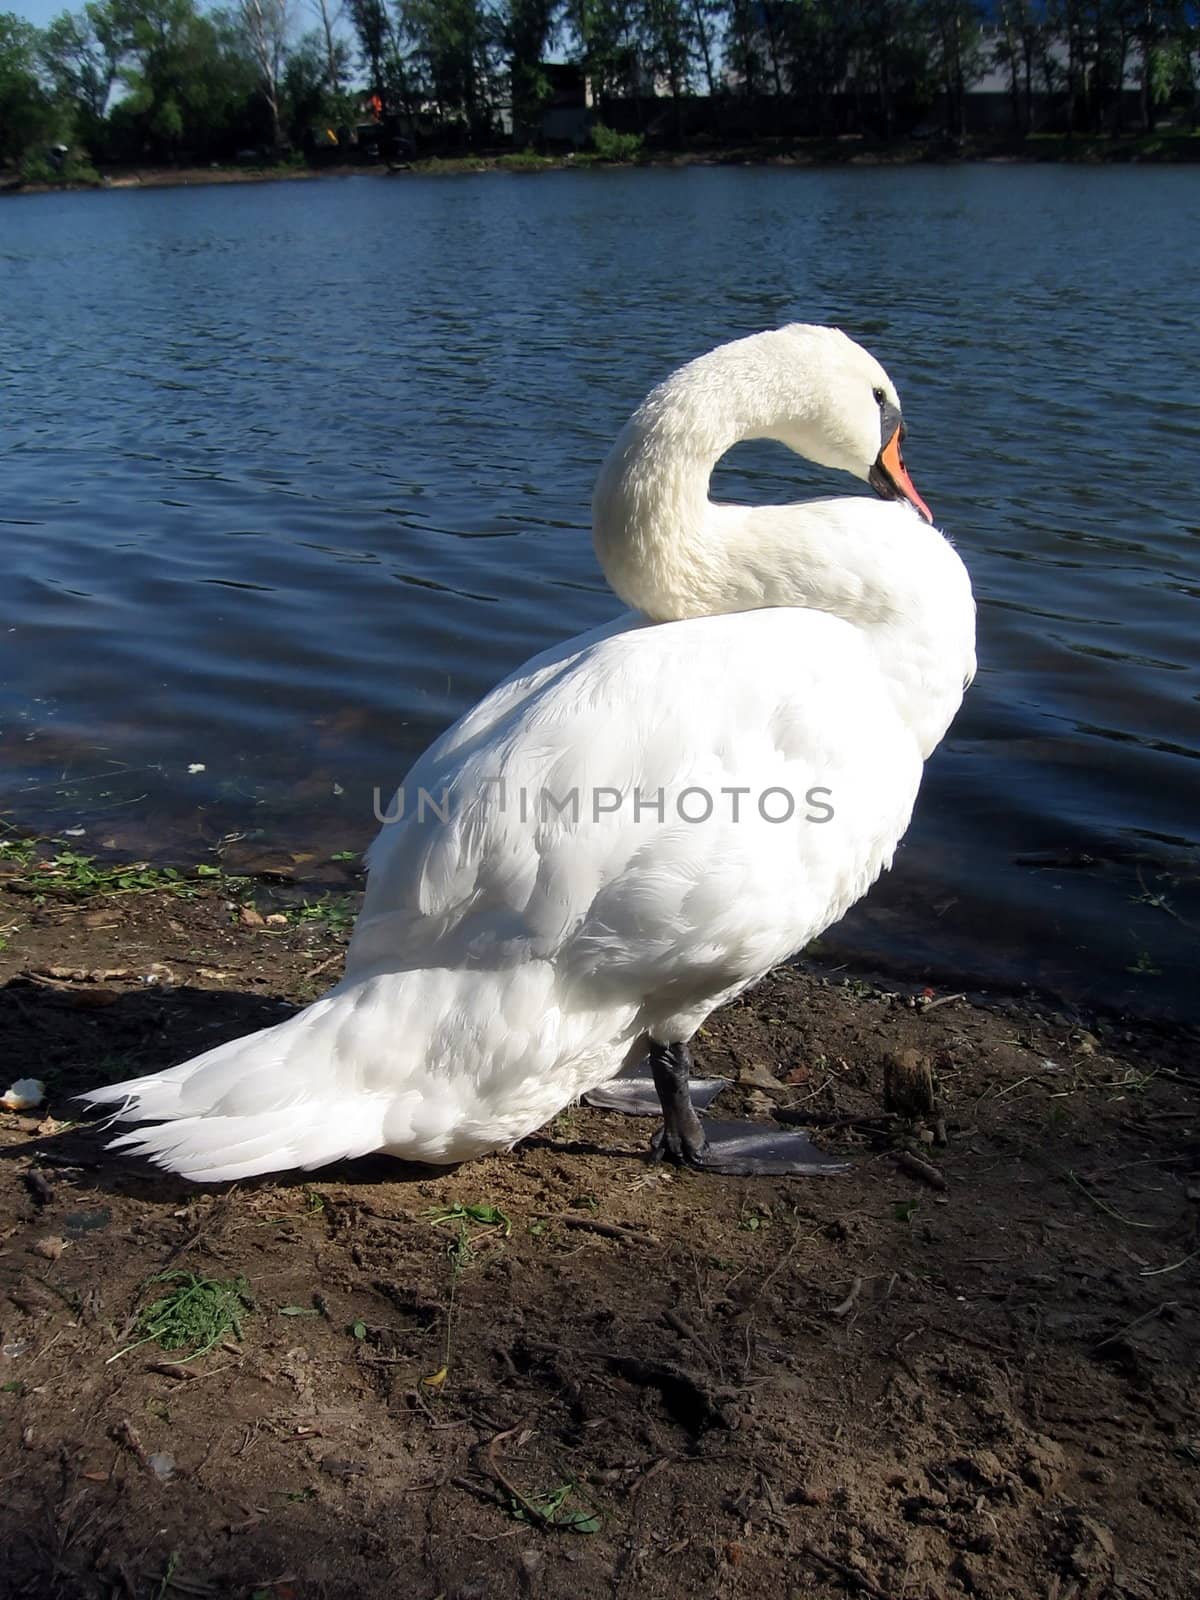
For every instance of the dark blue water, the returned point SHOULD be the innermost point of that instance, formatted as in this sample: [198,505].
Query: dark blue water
[290,474]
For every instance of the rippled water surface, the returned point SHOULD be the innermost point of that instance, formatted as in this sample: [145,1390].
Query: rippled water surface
[290,474]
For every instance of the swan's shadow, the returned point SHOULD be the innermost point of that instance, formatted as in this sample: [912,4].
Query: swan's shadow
[77,1036]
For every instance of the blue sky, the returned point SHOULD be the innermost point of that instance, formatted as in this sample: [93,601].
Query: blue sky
[40,11]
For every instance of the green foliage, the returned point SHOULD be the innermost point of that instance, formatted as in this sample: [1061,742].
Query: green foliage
[526,28]
[185,81]
[612,146]
[71,872]
[329,912]
[36,169]
[549,1510]
[483,1212]
[311,100]
[198,1312]
[526,161]
[453,50]
[28,115]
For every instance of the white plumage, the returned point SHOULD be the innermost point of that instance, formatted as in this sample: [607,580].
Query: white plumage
[596,854]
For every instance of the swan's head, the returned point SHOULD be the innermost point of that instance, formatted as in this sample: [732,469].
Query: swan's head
[829,400]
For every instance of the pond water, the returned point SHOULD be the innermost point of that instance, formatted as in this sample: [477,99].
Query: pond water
[292,473]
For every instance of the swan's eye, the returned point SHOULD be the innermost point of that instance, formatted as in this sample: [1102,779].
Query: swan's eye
[880,397]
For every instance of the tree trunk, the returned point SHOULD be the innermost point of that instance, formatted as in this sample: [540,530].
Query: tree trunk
[335,77]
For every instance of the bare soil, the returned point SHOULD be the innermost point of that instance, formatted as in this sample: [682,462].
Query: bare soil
[967,1368]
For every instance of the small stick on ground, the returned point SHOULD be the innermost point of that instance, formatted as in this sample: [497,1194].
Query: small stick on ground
[610,1230]
[844,1570]
[535,1513]
[942,1000]
[324,966]
[1147,1316]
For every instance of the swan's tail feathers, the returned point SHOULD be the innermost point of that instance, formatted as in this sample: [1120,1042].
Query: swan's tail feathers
[269,1102]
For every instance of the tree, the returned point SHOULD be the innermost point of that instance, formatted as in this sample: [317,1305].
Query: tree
[191,85]
[268,25]
[453,43]
[27,113]
[311,95]
[953,32]
[705,15]
[743,46]
[81,55]
[380,57]
[526,28]
[335,54]
[669,39]
[605,35]
[1021,48]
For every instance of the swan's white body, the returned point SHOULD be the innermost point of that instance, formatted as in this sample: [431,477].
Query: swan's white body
[635,825]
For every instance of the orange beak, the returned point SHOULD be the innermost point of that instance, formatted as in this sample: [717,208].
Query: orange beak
[889,476]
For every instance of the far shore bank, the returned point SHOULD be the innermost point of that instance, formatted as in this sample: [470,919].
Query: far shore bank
[1153,149]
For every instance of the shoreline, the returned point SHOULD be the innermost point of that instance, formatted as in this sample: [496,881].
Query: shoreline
[1141,149]
[77,894]
[326,892]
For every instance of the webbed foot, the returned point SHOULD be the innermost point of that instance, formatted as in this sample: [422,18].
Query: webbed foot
[747,1149]
[733,1148]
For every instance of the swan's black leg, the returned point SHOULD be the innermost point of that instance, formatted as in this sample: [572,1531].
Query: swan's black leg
[681,1137]
[741,1148]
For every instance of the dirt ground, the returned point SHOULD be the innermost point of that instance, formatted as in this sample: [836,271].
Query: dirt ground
[966,1368]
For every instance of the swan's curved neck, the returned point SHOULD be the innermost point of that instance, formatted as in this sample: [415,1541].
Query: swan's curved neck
[670,552]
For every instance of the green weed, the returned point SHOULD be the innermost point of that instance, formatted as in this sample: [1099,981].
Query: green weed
[610,145]
[197,1311]
[482,1211]
[547,1510]
[329,912]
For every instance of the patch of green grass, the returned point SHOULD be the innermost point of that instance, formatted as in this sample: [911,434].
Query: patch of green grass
[331,912]
[197,1311]
[526,161]
[906,1210]
[436,164]
[75,874]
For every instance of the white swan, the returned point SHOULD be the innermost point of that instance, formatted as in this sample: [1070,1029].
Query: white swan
[638,823]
